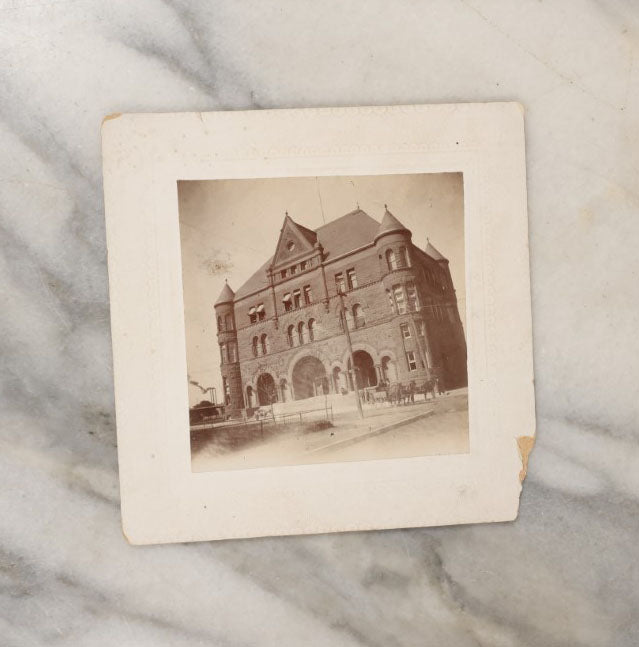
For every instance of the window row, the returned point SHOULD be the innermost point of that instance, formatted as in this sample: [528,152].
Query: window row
[397,260]
[225,323]
[403,298]
[301,334]
[260,345]
[345,281]
[292,271]
[257,313]
[405,329]
[228,352]
[355,318]
[294,300]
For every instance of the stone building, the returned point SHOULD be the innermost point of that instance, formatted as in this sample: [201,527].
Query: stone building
[282,336]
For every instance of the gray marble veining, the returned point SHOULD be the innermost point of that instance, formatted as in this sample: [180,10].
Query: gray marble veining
[566,572]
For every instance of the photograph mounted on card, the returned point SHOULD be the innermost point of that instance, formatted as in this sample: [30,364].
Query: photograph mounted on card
[320,318]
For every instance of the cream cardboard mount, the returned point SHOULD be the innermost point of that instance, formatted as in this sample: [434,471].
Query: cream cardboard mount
[356,377]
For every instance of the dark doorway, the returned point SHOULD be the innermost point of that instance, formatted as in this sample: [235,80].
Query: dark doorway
[309,378]
[364,369]
[266,391]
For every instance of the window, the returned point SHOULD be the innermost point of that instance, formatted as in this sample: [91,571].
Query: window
[422,328]
[254,346]
[264,344]
[290,245]
[232,350]
[308,297]
[451,314]
[290,333]
[286,300]
[303,266]
[219,323]
[293,269]
[351,279]
[403,257]
[398,295]
[297,298]
[261,313]
[252,315]
[339,283]
[311,329]
[405,330]
[358,316]
[391,259]
[283,274]
[412,362]
[222,353]
[228,321]
[227,390]
[412,297]
[301,333]
[391,301]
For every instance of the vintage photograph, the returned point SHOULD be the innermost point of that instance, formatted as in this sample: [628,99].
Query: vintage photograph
[324,318]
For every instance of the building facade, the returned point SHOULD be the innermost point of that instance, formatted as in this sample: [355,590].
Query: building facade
[282,336]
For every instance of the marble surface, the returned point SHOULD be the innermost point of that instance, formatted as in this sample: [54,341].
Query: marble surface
[566,573]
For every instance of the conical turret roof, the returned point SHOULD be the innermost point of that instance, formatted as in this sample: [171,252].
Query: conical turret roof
[226,295]
[389,224]
[433,253]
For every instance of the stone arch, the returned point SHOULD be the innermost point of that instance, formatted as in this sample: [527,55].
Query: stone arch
[266,390]
[365,369]
[309,377]
[361,346]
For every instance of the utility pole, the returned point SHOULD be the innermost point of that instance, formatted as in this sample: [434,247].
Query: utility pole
[342,314]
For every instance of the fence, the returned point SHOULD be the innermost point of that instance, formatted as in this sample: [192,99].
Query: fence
[265,417]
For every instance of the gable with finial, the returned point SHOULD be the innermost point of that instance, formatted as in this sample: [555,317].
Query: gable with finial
[295,242]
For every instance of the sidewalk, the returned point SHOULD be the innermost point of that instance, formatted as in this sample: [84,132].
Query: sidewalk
[384,430]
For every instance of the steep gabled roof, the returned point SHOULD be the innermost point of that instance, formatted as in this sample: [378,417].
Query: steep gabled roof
[351,231]
[226,295]
[389,224]
[433,253]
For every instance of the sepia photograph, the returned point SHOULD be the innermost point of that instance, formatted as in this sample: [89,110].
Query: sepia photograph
[324,319]
[321,318]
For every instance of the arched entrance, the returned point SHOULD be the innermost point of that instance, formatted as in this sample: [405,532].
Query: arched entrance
[309,378]
[389,371]
[364,369]
[266,391]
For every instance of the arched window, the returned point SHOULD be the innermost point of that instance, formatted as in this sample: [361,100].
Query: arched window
[255,341]
[311,329]
[264,341]
[301,332]
[358,316]
[391,259]
[403,257]
[232,351]
[291,335]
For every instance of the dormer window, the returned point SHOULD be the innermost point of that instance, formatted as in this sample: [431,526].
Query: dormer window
[252,315]
[261,314]
[290,245]
[286,300]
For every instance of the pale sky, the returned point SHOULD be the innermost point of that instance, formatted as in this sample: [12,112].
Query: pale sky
[229,228]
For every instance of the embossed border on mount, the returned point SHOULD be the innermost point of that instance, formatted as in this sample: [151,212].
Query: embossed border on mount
[145,156]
